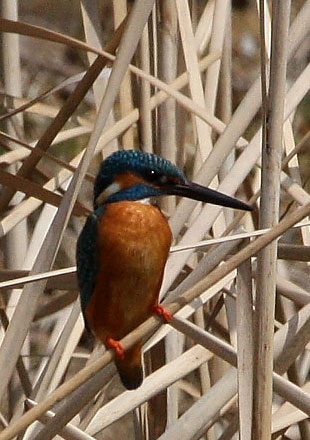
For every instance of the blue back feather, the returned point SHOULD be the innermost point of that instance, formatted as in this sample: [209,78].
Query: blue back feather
[87,257]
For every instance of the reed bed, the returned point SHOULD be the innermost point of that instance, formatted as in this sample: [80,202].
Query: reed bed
[225,98]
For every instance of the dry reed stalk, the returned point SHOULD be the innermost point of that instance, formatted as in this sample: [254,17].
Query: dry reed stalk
[245,330]
[239,122]
[16,242]
[167,71]
[145,94]
[125,93]
[269,215]
[287,415]
[26,306]
[195,84]
[293,252]
[69,432]
[294,172]
[21,104]
[291,392]
[21,211]
[159,380]
[223,349]
[292,291]
[204,410]
[204,26]
[188,103]
[30,189]
[12,157]
[225,97]
[62,117]
[283,387]
[229,185]
[199,111]
[220,18]
[77,396]
[222,413]
[28,206]
[47,376]
[167,147]
[204,373]
[216,44]
[94,37]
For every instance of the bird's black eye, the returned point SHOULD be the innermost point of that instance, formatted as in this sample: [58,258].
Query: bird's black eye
[156,177]
[153,176]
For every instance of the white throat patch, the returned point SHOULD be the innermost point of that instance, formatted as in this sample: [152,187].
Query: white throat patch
[114,188]
[111,189]
[146,201]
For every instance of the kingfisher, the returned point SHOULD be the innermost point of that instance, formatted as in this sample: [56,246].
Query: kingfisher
[123,248]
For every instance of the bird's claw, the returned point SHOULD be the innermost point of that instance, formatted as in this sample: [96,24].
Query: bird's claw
[117,346]
[162,311]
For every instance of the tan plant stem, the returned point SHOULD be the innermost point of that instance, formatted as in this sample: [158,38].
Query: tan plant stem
[269,215]
[153,323]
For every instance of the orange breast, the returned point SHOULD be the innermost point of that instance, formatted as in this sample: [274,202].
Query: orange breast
[134,242]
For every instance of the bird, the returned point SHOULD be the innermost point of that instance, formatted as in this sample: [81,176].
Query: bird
[124,245]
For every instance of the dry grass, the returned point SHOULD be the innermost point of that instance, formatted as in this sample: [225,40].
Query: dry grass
[185,84]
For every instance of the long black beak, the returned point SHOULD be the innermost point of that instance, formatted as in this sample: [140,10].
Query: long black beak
[195,191]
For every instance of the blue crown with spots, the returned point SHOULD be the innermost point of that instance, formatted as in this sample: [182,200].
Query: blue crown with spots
[145,165]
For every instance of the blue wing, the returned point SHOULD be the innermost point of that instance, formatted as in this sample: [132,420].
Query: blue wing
[87,259]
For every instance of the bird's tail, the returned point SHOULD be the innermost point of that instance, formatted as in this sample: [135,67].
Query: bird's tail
[130,369]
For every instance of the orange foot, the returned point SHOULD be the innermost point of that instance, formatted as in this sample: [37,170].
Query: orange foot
[162,311]
[117,347]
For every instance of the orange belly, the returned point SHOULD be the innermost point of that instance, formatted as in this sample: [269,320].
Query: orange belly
[134,242]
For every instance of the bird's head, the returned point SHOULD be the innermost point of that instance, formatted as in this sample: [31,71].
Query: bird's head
[135,175]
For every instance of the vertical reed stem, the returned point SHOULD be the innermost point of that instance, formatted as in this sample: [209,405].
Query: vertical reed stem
[266,264]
